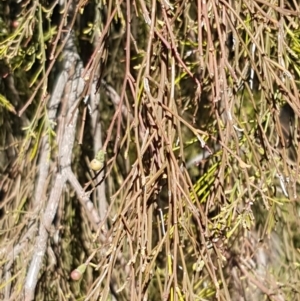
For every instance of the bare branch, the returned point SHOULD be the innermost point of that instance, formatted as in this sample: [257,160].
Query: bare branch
[73,90]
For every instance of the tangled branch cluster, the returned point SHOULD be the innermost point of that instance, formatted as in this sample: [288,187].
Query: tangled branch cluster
[151,150]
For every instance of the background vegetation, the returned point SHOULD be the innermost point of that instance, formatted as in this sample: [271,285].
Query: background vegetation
[149,150]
